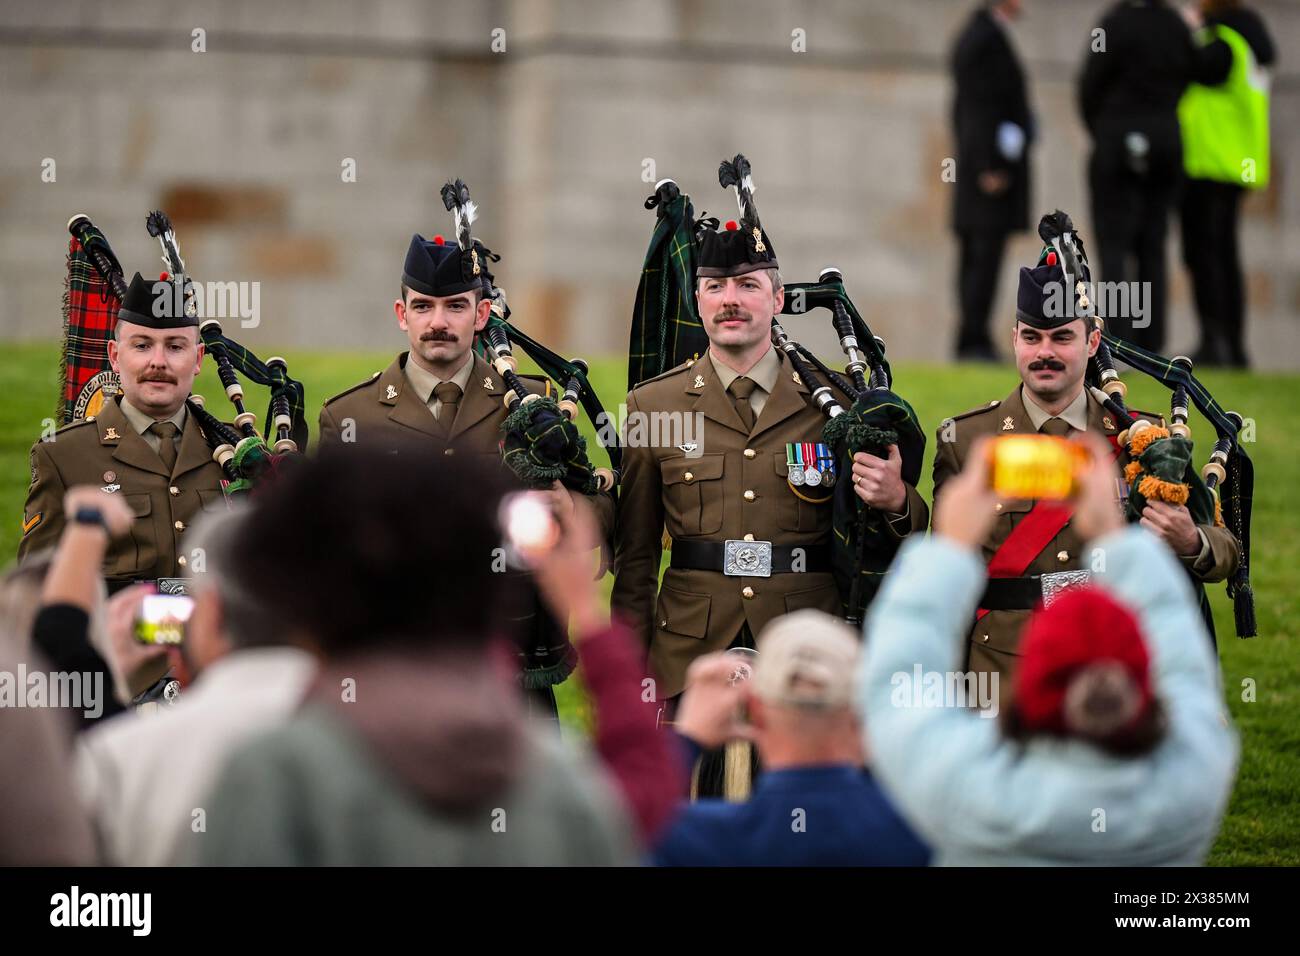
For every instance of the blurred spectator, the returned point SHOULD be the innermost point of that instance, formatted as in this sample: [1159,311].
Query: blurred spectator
[67,629]
[1225,152]
[994,129]
[1115,747]
[413,748]
[1139,61]
[815,803]
[143,778]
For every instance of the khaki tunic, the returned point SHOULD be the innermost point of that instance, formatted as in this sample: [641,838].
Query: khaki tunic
[731,485]
[995,639]
[106,451]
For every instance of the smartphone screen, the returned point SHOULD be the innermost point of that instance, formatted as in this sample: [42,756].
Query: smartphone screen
[1035,466]
[163,618]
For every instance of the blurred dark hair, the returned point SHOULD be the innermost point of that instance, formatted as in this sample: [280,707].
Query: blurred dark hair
[360,548]
[1136,741]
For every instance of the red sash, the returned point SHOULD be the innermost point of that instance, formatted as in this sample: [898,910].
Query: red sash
[1031,535]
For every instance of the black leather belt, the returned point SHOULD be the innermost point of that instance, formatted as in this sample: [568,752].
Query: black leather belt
[1026,593]
[712,556]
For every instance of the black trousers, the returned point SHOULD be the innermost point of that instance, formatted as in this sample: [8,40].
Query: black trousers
[1210,211]
[1130,212]
[979,263]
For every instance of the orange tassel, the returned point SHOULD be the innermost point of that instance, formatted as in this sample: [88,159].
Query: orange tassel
[1132,470]
[1143,439]
[1157,489]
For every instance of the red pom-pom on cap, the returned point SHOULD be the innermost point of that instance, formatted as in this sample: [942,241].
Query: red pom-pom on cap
[731,225]
[439,241]
[163,277]
[1051,258]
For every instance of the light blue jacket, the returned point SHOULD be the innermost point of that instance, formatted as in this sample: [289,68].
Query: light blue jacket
[979,798]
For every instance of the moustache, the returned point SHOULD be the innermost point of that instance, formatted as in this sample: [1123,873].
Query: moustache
[165,379]
[733,314]
[1051,364]
[437,337]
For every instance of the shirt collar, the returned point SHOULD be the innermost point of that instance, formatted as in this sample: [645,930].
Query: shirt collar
[141,421]
[814,777]
[764,373]
[1075,414]
[424,382]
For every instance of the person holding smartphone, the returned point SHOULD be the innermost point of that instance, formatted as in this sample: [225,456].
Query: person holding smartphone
[1033,548]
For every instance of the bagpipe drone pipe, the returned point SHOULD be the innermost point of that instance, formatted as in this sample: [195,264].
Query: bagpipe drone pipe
[541,443]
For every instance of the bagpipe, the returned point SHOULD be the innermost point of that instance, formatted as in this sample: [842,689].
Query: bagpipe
[541,443]
[1160,466]
[96,285]
[667,330]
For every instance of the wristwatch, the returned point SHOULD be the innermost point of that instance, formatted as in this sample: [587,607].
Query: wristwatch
[89,515]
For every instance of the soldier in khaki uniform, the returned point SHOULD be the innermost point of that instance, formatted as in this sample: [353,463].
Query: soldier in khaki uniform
[1052,397]
[441,397]
[729,486]
[144,446]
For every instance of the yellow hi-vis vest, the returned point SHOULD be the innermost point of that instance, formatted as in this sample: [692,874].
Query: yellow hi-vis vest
[1225,127]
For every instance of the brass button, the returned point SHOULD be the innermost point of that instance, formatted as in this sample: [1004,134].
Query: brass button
[173,491]
[998,506]
[449,451]
[986,638]
[688,476]
[750,453]
[180,526]
[181,560]
[747,593]
[1063,556]
[750,496]
[749,537]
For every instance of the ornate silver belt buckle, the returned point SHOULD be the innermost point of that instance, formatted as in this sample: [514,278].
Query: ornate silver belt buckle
[1055,582]
[747,559]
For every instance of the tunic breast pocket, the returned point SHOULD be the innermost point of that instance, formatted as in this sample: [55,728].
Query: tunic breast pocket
[794,513]
[693,493]
[144,541]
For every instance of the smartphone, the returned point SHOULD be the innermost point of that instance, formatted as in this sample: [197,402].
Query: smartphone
[163,618]
[1041,467]
[529,524]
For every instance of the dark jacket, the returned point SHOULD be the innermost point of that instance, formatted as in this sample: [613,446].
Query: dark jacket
[990,91]
[833,815]
[1149,59]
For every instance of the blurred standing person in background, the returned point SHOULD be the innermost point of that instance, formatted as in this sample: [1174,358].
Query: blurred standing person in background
[412,746]
[1139,61]
[1225,152]
[993,126]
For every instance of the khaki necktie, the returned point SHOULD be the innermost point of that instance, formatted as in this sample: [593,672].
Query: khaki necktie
[448,396]
[166,432]
[740,390]
[1056,426]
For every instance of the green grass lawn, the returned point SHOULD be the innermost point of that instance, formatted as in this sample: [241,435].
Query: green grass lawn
[1263,821]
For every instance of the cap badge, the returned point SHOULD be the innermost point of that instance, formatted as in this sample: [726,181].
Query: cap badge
[758,241]
[1008,423]
[473,258]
